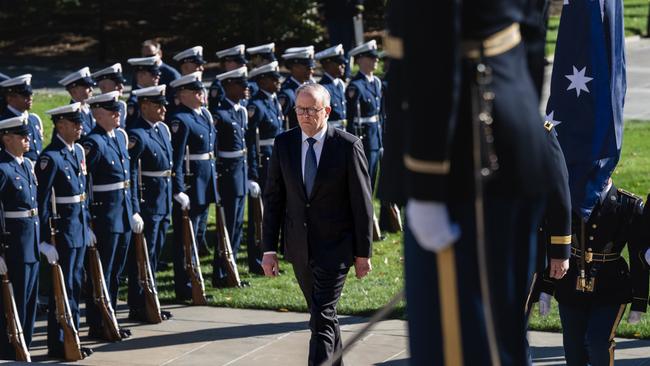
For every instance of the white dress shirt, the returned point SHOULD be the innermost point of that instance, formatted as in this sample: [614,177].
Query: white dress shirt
[318,147]
[70,147]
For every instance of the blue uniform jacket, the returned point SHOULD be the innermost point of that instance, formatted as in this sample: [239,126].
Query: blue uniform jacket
[231,122]
[265,114]
[337,95]
[152,146]
[87,120]
[215,96]
[108,162]
[132,111]
[64,171]
[364,100]
[196,131]
[35,133]
[18,193]
[287,98]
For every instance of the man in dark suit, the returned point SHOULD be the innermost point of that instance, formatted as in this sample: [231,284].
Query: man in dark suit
[318,187]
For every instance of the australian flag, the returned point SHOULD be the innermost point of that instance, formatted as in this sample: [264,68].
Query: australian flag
[587,94]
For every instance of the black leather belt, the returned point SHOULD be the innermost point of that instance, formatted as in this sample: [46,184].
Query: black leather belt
[595,257]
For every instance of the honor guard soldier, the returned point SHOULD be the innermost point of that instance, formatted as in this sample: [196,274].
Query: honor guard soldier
[300,62]
[20,231]
[265,121]
[112,203]
[79,85]
[191,60]
[167,73]
[231,58]
[364,96]
[469,201]
[150,150]
[147,74]
[333,62]
[194,141]
[111,79]
[594,293]
[61,173]
[19,95]
[231,121]
[259,56]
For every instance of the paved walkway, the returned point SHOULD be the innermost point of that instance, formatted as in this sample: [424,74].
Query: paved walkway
[219,336]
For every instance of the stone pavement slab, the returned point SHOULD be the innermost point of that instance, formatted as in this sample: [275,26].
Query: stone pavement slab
[201,335]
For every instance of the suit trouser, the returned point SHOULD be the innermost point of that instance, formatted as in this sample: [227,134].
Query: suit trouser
[198,215]
[71,261]
[322,290]
[233,208]
[588,333]
[113,249]
[510,239]
[155,231]
[24,279]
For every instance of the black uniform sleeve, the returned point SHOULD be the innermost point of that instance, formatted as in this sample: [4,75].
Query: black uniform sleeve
[274,201]
[558,211]
[360,200]
[638,244]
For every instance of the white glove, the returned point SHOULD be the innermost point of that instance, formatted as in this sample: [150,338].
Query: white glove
[49,251]
[93,238]
[430,224]
[254,189]
[647,256]
[544,304]
[183,199]
[634,317]
[3,266]
[137,224]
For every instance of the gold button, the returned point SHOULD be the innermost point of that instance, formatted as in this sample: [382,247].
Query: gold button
[591,238]
[594,226]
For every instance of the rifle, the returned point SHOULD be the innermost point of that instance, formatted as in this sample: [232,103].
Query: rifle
[14,328]
[394,218]
[191,254]
[100,293]
[225,250]
[145,274]
[71,343]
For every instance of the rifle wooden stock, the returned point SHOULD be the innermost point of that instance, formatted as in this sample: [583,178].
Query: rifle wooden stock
[71,343]
[14,328]
[258,215]
[147,282]
[376,232]
[192,263]
[225,250]
[394,218]
[101,297]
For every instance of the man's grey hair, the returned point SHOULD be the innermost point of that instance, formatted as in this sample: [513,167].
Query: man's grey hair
[316,90]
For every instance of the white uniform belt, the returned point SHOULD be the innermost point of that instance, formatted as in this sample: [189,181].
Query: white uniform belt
[341,122]
[231,154]
[21,214]
[204,156]
[371,119]
[156,174]
[70,199]
[267,142]
[111,187]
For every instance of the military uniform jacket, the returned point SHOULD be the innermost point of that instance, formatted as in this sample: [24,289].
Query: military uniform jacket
[152,147]
[231,121]
[35,131]
[108,162]
[88,121]
[196,131]
[133,111]
[18,190]
[65,171]
[215,96]
[287,99]
[610,227]
[336,88]
[364,100]
[265,114]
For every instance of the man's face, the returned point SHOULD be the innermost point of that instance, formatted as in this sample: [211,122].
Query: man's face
[81,92]
[191,98]
[230,65]
[367,64]
[22,102]
[109,120]
[68,130]
[109,85]
[313,116]
[301,72]
[146,79]
[269,84]
[149,50]
[335,69]
[190,67]
[153,112]
[16,143]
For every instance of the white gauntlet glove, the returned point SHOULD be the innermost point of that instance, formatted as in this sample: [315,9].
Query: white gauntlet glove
[183,199]
[430,224]
[254,189]
[137,224]
[49,251]
[3,266]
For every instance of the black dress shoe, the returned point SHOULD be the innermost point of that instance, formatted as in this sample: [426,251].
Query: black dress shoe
[244,284]
[86,351]
[125,333]
[166,315]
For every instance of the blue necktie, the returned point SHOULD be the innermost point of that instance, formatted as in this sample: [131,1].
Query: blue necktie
[310,166]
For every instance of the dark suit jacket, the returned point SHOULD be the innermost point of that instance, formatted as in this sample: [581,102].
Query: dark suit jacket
[333,225]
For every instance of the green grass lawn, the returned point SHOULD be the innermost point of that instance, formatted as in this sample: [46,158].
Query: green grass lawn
[362,297]
[635,19]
